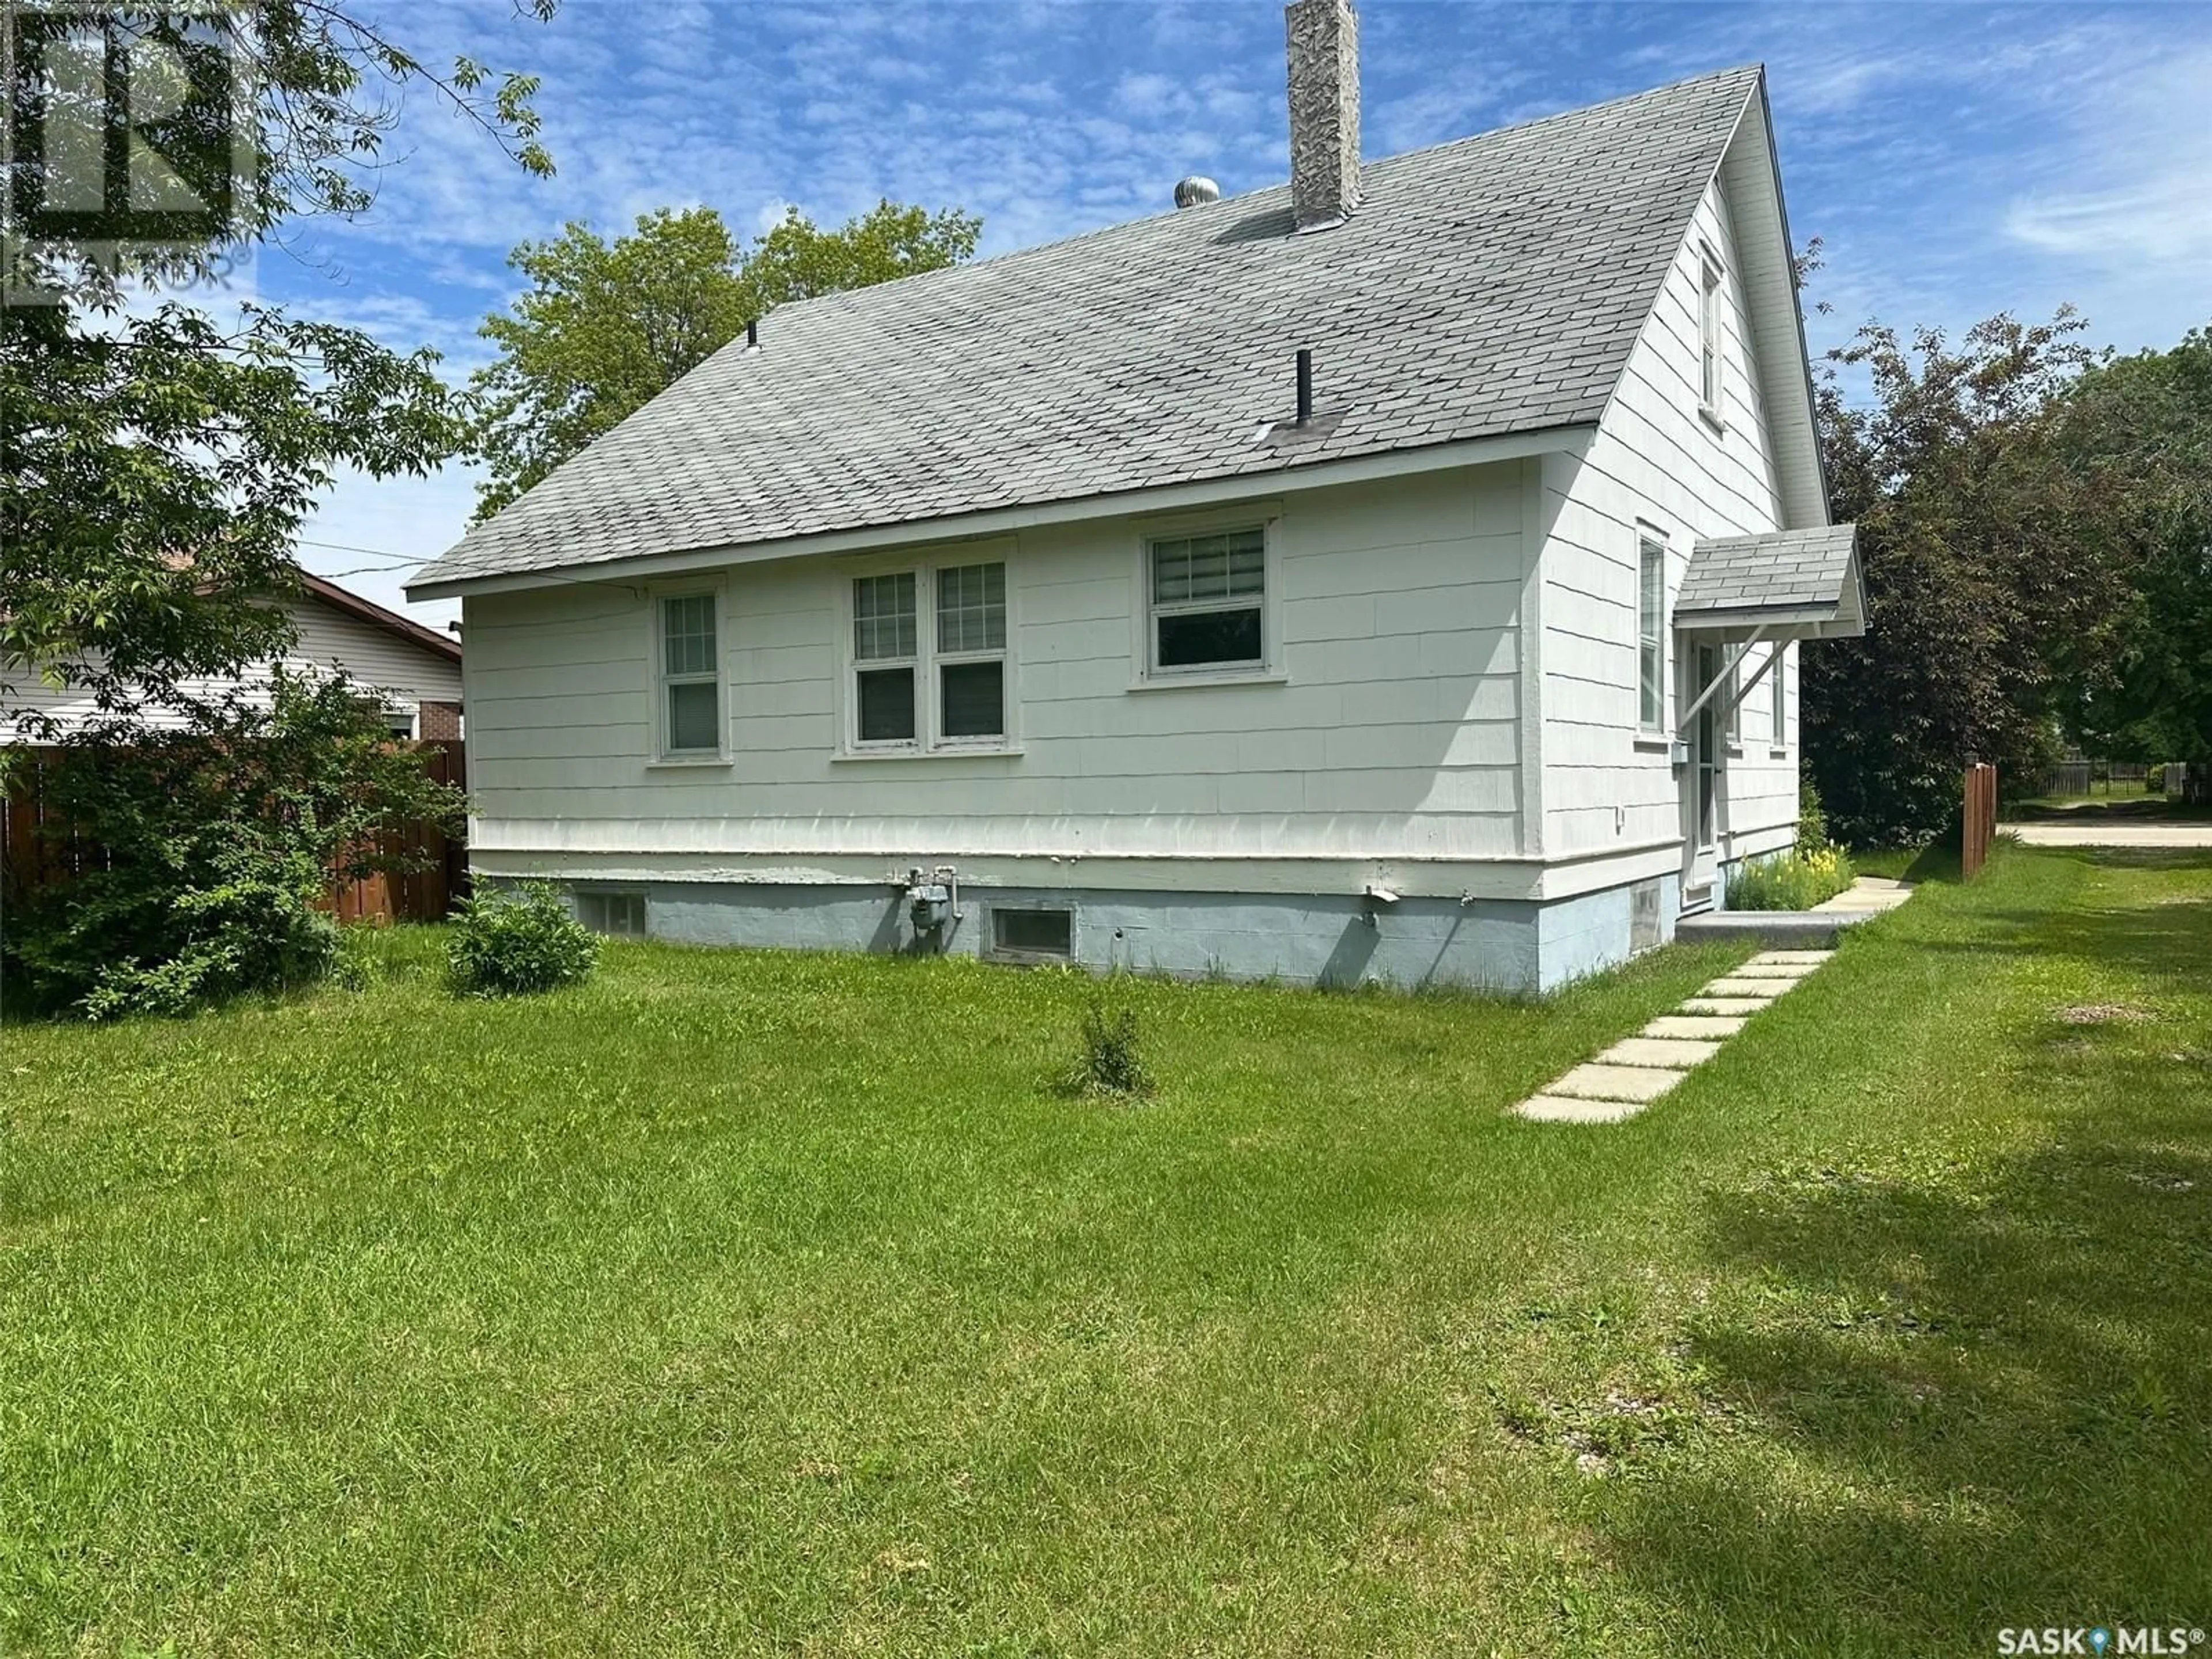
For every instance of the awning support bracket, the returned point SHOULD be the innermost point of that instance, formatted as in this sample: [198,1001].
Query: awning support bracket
[1743,686]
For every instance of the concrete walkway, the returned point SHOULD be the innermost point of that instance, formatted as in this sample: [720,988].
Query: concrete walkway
[2110,835]
[1866,896]
[1636,1071]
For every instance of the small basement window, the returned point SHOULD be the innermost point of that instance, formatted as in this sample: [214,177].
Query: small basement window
[619,916]
[1029,935]
[1642,916]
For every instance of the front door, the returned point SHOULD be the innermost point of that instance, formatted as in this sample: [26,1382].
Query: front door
[1699,782]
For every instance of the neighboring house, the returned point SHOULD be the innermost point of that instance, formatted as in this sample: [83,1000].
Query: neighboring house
[1035,608]
[416,670]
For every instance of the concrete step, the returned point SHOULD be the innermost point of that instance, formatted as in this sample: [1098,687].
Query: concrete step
[1788,929]
[1697,1028]
[1594,1082]
[1667,1054]
[1558,1109]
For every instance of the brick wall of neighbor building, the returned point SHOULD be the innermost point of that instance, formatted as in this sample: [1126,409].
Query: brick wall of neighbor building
[439,722]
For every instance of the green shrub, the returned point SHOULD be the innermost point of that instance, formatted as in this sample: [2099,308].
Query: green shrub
[518,943]
[1110,1063]
[1790,881]
[1812,818]
[2154,780]
[218,842]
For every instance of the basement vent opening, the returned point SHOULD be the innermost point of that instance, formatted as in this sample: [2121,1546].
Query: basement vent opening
[618,915]
[1031,935]
[1643,916]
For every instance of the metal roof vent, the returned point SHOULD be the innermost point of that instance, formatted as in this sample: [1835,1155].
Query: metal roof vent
[1196,192]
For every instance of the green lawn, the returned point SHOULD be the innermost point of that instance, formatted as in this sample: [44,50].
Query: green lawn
[751,1303]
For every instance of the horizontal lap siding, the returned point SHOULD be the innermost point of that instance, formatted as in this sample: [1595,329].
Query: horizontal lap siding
[1654,459]
[325,638]
[1397,733]
[329,638]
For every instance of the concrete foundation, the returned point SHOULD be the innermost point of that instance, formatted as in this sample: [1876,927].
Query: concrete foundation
[1304,939]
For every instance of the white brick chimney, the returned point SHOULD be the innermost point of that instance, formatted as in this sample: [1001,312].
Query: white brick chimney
[1323,40]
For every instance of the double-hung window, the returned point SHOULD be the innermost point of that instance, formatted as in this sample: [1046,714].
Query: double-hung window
[690,677]
[886,656]
[1650,640]
[1208,597]
[929,659]
[1709,337]
[970,650]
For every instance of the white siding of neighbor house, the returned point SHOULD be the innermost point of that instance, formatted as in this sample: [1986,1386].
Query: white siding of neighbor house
[1656,461]
[327,638]
[1397,734]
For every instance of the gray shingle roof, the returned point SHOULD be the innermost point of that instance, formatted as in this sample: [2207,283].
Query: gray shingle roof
[1777,570]
[1492,286]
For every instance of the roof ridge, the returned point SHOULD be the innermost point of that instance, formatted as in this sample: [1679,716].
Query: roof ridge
[1246,198]
[1494,284]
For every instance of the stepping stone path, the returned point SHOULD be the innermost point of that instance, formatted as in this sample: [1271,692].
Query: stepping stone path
[1636,1071]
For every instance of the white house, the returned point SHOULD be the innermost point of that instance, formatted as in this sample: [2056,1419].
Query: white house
[416,670]
[1340,581]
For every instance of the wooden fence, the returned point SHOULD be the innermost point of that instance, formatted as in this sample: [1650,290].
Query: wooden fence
[1981,820]
[39,849]
[2091,777]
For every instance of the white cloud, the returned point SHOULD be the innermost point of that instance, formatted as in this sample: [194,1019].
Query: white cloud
[2160,219]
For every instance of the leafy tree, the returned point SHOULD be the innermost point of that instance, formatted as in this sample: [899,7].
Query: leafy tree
[606,325]
[2137,432]
[157,463]
[602,328]
[1984,601]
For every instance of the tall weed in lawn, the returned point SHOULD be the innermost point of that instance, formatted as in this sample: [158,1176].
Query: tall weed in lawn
[1109,1063]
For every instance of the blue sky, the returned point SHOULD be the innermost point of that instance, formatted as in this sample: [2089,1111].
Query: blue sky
[1956,161]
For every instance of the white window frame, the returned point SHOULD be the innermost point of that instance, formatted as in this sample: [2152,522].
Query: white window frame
[1266,519]
[928,739]
[1713,358]
[656,601]
[1651,630]
[1777,708]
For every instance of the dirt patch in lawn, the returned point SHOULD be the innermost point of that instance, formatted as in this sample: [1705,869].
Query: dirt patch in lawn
[2103,1013]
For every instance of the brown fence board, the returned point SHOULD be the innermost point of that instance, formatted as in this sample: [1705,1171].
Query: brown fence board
[1980,826]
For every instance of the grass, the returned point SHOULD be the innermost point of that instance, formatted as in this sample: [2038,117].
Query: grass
[746,1304]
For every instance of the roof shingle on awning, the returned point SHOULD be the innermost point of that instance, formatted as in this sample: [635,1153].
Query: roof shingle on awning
[1778,585]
